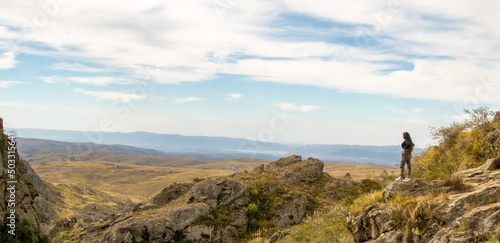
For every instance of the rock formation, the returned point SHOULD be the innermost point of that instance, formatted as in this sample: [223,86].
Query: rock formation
[40,202]
[472,215]
[28,187]
[217,209]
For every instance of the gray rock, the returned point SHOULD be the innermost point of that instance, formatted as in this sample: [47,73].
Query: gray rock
[491,164]
[308,171]
[187,218]
[221,191]
[166,196]
[414,187]
[291,213]
[347,176]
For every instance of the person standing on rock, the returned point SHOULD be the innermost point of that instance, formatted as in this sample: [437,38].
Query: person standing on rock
[407,146]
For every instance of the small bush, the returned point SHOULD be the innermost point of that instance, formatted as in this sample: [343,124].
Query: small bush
[370,185]
[327,226]
[414,215]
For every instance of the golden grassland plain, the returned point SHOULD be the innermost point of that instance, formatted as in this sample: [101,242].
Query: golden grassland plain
[359,171]
[137,181]
[111,187]
[117,175]
[336,169]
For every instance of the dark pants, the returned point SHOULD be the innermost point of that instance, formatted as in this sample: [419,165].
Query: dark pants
[405,160]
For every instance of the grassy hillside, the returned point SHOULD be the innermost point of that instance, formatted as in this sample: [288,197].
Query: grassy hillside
[462,145]
[238,164]
[82,200]
[33,146]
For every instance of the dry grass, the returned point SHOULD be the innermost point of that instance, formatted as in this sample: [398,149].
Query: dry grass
[365,200]
[358,171]
[136,181]
[327,225]
[80,199]
[238,164]
[337,169]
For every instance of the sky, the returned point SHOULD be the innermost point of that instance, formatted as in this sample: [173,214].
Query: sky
[289,71]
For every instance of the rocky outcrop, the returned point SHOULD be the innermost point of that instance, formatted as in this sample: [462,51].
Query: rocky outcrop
[167,195]
[40,202]
[217,210]
[414,187]
[301,181]
[26,186]
[470,216]
[212,210]
[291,212]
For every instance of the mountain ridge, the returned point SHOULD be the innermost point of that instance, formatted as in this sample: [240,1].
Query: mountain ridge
[225,147]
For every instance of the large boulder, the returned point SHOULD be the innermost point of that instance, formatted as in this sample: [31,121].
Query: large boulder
[294,170]
[491,164]
[214,210]
[413,187]
[167,195]
[373,223]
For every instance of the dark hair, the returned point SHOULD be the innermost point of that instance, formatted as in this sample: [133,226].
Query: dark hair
[407,137]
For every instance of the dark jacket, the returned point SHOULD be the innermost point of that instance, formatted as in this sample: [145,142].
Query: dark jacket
[407,143]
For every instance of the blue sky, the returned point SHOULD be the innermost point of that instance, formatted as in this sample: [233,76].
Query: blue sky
[328,72]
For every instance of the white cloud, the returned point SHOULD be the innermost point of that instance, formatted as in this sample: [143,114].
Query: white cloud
[410,121]
[448,80]
[233,96]
[7,60]
[6,84]
[406,110]
[108,95]
[25,105]
[418,109]
[457,43]
[187,99]
[293,107]
[99,81]
[77,67]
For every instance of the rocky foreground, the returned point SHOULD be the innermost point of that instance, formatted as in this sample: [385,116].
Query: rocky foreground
[224,209]
[418,211]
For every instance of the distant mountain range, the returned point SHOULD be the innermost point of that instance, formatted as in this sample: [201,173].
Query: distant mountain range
[174,145]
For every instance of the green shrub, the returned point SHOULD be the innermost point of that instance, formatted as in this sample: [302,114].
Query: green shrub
[370,185]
